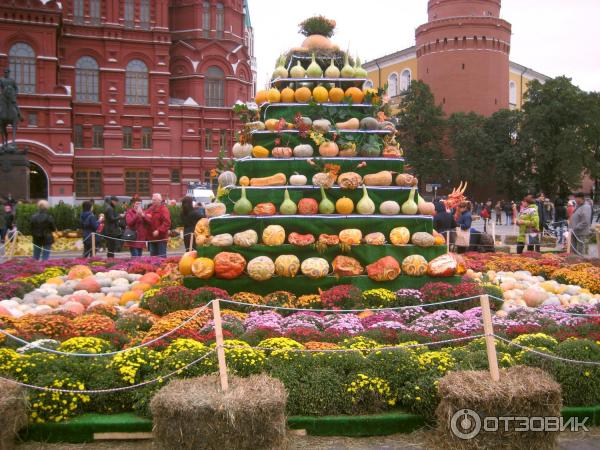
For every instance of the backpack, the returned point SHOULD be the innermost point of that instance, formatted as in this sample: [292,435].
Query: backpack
[485,214]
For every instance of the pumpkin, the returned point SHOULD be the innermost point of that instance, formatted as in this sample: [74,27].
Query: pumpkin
[329,239]
[287,266]
[222,240]
[271,124]
[281,152]
[227,178]
[215,209]
[185,263]
[246,238]
[229,265]
[351,236]
[301,240]
[442,266]
[438,239]
[126,297]
[400,236]
[203,268]
[426,208]
[258,151]
[88,284]
[298,180]
[303,151]
[264,209]
[344,205]
[422,239]
[323,179]
[241,150]
[384,269]
[348,150]
[406,180]
[414,265]
[79,272]
[143,287]
[534,296]
[376,238]
[308,206]
[321,125]
[273,235]
[315,268]
[201,231]
[345,266]
[261,268]
[150,277]
[349,180]
[328,149]
[389,208]
[244,181]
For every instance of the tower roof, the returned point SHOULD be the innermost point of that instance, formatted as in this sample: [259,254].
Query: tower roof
[247,22]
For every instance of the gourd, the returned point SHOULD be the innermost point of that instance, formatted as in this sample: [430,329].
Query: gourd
[321,125]
[350,124]
[261,268]
[287,266]
[347,71]
[273,235]
[264,209]
[422,239]
[369,123]
[406,180]
[315,268]
[297,71]
[323,179]
[350,236]
[383,178]
[303,150]
[222,240]
[344,205]
[215,209]
[328,149]
[425,208]
[282,152]
[346,266]
[314,70]
[243,206]
[365,205]
[359,72]
[244,181]
[229,265]
[241,150]
[280,71]
[298,179]
[400,236]
[410,206]
[326,206]
[389,208]
[349,180]
[279,179]
[376,238]
[246,238]
[414,265]
[287,207]
[301,240]
[203,268]
[258,151]
[332,71]
[442,266]
[308,206]
[384,269]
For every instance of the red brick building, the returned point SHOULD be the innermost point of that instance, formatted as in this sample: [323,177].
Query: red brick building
[126,96]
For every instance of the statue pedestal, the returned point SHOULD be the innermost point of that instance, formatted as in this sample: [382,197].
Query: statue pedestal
[14,174]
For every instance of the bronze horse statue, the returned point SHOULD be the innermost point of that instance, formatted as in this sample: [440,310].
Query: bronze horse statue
[9,111]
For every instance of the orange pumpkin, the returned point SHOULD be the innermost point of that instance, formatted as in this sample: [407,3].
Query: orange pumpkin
[344,205]
[329,239]
[351,236]
[384,269]
[229,265]
[356,94]
[130,296]
[79,272]
[301,240]
[328,149]
[264,209]
[345,266]
[88,284]
[141,287]
[185,263]
[281,152]
[308,206]
[150,278]
[203,268]
[438,239]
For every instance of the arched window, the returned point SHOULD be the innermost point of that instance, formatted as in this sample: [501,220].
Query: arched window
[214,87]
[368,84]
[405,78]
[86,79]
[512,93]
[392,85]
[206,19]
[21,60]
[136,83]
[220,20]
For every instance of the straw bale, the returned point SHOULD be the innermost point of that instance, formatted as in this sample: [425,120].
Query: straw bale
[13,413]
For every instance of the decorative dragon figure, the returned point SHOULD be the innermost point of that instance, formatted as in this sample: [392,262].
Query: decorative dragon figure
[456,197]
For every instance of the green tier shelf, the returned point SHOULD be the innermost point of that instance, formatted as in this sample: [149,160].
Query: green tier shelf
[334,112]
[295,83]
[275,194]
[265,167]
[365,254]
[302,285]
[291,138]
[318,224]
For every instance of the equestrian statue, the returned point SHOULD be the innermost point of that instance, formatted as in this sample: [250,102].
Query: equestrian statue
[9,111]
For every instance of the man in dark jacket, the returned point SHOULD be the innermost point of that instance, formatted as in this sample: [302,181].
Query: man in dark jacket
[112,230]
[42,227]
[89,225]
[443,221]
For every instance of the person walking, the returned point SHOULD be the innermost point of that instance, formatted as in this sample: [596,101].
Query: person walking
[580,224]
[541,198]
[42,227]
[159,219]
[560,219]
[508,212]
[190,217]
[7,219]
[463,230]
[528,221]
[498,211]
[89,225]
[112,230]
[137,227]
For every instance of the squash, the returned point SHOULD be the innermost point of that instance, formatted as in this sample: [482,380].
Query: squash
[323,179]
[246,238]
[389,208]
[244,181]
[303,151]
[329,239]
[256,125]
[258,151]
[438,239]
[215,209]
[369,123]
[229,265]
[349,180]
[365,205]
[203,268]
[400,236]
[442,266]
[287,266]
[185,263]
[351,236]
[298,180]
[321,125]
[264,209]
[425,208]
[315,268]
[383,178]
[384,269]
[422,239]
[406,180]
[392,151]
[328,149]
[345,266]
[282,152]
[279,179]
[344,205]
[227,178]
[348,150]
[350,124]
[201,231]
[222,240]
[242,206]
[241,150]
[261,268]
[370,150]
[308,206]
[273,235]
[414,265]
[301,240]
[376,238]
[271,124]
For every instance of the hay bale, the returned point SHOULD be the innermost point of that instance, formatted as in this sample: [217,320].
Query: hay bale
[521,392]
[196,414]
[13,413]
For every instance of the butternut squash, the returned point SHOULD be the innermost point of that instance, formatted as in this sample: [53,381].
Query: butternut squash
[258,151]
[279,179]
[383,178]
[350,124]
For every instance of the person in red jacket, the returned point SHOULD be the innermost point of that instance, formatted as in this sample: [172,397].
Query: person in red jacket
[159,224]
[138,222]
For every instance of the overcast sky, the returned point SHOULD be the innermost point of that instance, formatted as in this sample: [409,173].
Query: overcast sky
[554,37]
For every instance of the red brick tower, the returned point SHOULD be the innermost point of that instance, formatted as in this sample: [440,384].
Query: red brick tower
[462,54]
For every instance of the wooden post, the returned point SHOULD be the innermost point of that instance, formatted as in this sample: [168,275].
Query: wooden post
[93,245]
[11,246]
[448,241]
[219,341]
[494,233]
[490,343]
[192,239]
[569,238]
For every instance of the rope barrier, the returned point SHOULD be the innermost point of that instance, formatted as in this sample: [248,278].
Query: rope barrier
[547,355]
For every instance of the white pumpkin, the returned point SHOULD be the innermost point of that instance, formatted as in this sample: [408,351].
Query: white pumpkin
[298,180]
[389,208]
[215,209]
[261,268]
[315,268]
[246,238]
[227,178]
[303,150]
[241,150]
[222,240]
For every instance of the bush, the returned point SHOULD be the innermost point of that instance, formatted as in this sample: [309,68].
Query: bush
[580,383]
[343,296]
[398,367]
[379,298]
[173,298]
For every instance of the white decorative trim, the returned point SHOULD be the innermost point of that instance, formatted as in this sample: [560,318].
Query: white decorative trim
[110,69]
[44,146]
[156,72]
[188,158]
[47,58]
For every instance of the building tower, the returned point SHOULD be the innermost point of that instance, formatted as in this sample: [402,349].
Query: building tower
[462,54]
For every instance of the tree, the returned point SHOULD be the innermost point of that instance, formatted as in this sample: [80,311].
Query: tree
[591,135]
[421,128]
